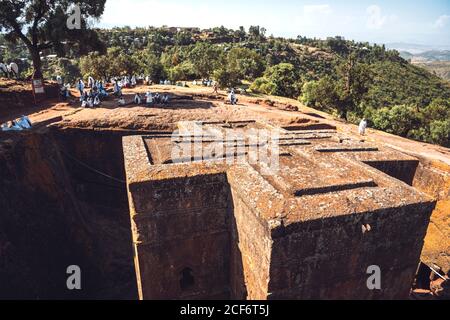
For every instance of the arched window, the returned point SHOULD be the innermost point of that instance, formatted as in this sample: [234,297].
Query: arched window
[187,279]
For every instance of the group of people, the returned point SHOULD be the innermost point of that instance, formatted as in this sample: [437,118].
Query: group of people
[97,91]
[204,82]
[117,89]
[165,82]
[94,96]
[64,88]
[8,70]
[23,123]
[125,81]
[118,84]
[151,99]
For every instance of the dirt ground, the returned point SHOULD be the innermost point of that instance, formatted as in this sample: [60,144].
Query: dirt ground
[195,103]
[16,98]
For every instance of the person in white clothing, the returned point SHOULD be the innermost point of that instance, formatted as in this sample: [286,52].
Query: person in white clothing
[121,101]
[90,102]
[97,101]
[362,127]
[149,98]
[137,99]
[91,82]
[13,69]
[11,126]
[232,97]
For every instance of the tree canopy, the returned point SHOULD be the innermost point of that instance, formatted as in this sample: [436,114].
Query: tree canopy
[42,24]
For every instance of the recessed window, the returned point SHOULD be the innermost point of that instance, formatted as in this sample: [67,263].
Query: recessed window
[187,279]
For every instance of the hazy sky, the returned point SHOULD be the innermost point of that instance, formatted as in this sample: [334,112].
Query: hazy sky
[383,21]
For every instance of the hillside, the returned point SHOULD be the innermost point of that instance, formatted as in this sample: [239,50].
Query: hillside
[403,83]
[434,61]
[346,78]
[440,68]
[427,56]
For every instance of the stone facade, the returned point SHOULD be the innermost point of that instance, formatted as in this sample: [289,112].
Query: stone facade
[213,229]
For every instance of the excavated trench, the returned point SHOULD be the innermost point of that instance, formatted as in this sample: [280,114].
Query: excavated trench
[63,202]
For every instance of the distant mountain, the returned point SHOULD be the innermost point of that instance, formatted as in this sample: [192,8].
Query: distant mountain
[436,55]
[415,48]
[439,68]
[406,55]
[435,61]
[427,56]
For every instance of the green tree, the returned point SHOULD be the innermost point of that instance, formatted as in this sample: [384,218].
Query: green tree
[438,109]
[237,65]
[116,62]
[309,93]
[284,79]
[120,63]
[96,65]
[41,24]
[257,33]
[183,38]
[321,94]
[354,81]
[435,123]
[205,58]
[400,119]
[151,65]
[66,68]
[182,71]
[240,33]
[246,63]
[157,42]
[440,132]
[226,78]
[262,85]
[338,45]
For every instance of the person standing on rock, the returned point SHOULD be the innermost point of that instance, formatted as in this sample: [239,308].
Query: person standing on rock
[4,69]
[165,99]
[149,98]
[91,82]
[362,127]
[137,99]
[117,89]
[64,93]
[13,68]
[232,97]
[59,80]
[157,98]
[80,86]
